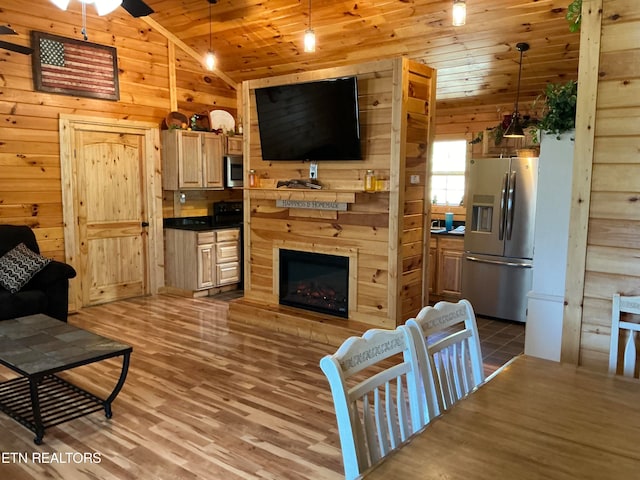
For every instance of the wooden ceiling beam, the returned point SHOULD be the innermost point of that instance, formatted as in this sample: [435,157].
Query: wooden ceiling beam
[187,49]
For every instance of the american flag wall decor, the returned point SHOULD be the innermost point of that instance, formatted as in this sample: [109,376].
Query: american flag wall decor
[74,67]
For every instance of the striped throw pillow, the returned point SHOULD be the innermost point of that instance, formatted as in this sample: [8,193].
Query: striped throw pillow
[18,266]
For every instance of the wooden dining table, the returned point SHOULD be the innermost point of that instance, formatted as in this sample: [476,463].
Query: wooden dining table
[534,419]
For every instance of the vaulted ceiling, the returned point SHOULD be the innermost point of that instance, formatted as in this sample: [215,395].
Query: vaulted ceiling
[475,62]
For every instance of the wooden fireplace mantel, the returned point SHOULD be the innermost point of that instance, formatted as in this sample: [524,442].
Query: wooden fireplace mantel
[339,196]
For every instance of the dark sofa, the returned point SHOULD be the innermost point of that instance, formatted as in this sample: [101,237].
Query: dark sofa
[47,292]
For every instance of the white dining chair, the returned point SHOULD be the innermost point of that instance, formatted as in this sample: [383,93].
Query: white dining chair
[623,358]
[447,335]
[374,383]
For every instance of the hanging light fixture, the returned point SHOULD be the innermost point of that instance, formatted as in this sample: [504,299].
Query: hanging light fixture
[103,7]
[459,13]
[309,36]
[210,58]
[514,130]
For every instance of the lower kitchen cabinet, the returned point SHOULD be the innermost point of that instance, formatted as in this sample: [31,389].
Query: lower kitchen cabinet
[227,262]
[197,260]
[433,266]
[445,273]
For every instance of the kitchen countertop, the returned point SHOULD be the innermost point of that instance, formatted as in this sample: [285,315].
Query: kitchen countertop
[196,224]
[443,232]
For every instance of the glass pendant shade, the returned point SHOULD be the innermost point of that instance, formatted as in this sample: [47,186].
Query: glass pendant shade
[459,13]
[309,36]
[210,60]
[309,41]
[210,57]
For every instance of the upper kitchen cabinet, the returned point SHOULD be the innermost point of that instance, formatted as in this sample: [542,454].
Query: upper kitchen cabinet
[234,145]
[192,160]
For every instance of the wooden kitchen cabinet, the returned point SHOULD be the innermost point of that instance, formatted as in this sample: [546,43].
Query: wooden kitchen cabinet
[227,256]
[201,260]
[433,265]
[450,267]
[447,268]
[234,145]
[191,160]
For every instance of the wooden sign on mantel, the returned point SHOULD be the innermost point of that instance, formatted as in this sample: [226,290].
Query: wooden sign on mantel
[312,204]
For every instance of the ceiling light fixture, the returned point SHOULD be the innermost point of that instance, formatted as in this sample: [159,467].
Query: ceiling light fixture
[459,13]
[514,130]
[210,58]
[103,7]
[309,36]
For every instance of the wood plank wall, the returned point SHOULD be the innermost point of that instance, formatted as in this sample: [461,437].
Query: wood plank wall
[30,189]
[419,110]
[613,245]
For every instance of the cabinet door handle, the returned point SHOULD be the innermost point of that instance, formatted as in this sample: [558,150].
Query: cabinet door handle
[145,224]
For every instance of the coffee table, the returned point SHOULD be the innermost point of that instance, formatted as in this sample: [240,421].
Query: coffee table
[37,347]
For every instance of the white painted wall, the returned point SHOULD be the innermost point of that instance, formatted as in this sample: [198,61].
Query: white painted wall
[543,335]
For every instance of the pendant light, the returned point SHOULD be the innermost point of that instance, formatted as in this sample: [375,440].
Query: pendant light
[103,7]
[210,58]
[309,36]
[514,130]
[459,13]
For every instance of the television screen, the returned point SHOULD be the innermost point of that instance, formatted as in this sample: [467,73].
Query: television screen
[310,121]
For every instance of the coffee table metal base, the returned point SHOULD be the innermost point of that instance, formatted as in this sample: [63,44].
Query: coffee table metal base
[41,402]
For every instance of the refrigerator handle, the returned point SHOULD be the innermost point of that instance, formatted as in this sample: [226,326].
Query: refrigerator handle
[500,262]
[503,201]
[511,204]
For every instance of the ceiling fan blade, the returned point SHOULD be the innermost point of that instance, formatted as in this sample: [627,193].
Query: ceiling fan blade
[16,48]
[4,30]
[137,8]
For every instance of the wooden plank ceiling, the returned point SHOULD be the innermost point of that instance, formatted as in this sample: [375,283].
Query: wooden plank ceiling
[477,63]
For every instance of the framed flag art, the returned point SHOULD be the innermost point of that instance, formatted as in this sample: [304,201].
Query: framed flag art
[74,67]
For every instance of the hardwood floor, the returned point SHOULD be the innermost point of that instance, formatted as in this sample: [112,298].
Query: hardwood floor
[206,398]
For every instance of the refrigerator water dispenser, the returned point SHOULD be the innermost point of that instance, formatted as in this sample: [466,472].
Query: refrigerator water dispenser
[481,218]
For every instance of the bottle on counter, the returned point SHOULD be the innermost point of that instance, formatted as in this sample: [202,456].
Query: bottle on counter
[253,178]
[370,181]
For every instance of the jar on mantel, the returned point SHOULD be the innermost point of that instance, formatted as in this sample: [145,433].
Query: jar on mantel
[370,181]
[253,178]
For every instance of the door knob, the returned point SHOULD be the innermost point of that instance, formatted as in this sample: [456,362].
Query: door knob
[145,224]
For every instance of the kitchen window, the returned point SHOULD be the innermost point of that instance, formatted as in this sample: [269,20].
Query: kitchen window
[447,172]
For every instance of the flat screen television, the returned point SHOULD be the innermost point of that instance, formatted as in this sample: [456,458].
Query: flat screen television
[310,121]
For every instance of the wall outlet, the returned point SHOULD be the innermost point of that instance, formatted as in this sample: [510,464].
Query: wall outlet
[414,179]
[183,198]
[313,170]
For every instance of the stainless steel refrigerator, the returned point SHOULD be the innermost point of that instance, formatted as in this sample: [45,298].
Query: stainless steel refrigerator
[498,242]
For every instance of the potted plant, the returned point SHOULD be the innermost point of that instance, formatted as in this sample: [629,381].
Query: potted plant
[574,15]
[559,111]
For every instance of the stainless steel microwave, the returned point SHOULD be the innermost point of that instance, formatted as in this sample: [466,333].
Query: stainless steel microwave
[233,171]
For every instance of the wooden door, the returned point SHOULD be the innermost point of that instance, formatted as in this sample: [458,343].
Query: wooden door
[111,206]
